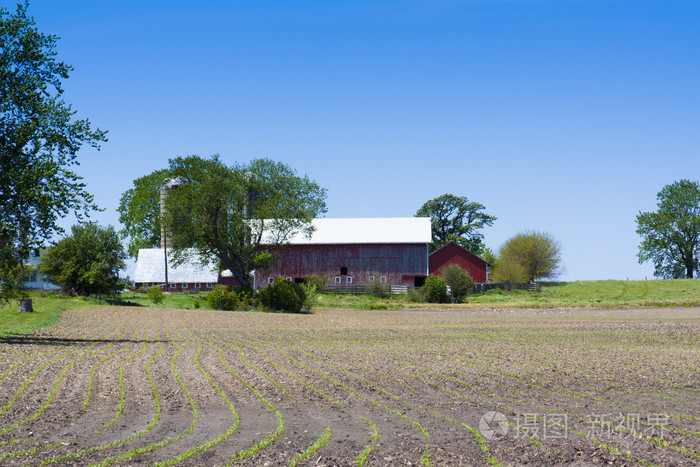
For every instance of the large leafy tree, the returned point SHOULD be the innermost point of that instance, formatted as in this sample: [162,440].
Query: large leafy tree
[39,140]
[87,262]
[455,218]
[671,235]
[240,215]
[528,256]
[139,211]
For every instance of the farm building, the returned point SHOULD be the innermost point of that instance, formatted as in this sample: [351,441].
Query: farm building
[452,253]
[191,275]
[344,251]
[356,251]
[36,280]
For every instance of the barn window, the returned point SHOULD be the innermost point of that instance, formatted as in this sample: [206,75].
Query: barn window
[370,279]
[209,285]
[343,271]
[348,279]
[382,279]
[172,286]
[270,280]
[337,280]
[289,279]
[185,285]
[198,286]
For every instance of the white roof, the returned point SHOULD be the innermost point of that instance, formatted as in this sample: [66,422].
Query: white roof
[150,267]
[367,230]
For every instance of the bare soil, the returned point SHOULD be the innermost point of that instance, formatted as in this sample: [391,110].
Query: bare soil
[142,386]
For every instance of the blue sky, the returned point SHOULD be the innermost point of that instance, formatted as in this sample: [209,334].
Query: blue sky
[565,116]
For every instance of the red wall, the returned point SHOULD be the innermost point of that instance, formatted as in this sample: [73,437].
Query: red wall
[453,253]
[400,263]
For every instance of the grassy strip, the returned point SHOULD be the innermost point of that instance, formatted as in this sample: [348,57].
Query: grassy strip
[28,381]
[232,429]
[130,454]
[93,371]
[122,393]
[311,449]
[425,459]
[245,453]
[364,454]
[152,447]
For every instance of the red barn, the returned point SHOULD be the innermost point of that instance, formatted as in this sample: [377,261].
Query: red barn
[452,253]
[356,252]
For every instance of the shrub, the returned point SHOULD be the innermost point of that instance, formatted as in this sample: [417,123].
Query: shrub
[458,279]
[155,294]
[434,290]
[379,288]
[283,295]
[221,298]
[413,296]
[318,282]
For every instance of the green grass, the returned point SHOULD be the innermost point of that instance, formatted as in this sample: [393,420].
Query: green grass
[182,301]
[46,309]
[602,294]
[599,294]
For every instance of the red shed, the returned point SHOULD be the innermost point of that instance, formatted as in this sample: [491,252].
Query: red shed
[452,253]
[356,252]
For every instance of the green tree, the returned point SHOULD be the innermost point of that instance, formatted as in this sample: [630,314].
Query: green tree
[87,262]
[528,256]
[455,218]
[458,279]
[671,235]
[39,141]
[240,215]
[139,211]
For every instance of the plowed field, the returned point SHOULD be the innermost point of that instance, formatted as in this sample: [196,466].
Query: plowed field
[142,386]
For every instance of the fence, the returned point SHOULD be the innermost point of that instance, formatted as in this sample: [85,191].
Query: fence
[359,289]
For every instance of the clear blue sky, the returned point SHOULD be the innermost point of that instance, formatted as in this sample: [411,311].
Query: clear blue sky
[565,116]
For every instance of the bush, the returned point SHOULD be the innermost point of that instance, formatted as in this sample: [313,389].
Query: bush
[459,281]
[378,288]
[318,282]
[155,294]
[221,298]
[434,290]
[283,295]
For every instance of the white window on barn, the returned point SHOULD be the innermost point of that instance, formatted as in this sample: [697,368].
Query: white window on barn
[348,279]
[270,280]
[370,279]
[209,284]
[185,285]
[198,286]
[337,279]
[172,286]
[289,279]
[382,279]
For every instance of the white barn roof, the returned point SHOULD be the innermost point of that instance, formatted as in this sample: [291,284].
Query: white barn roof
[150,267]
[367,230]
